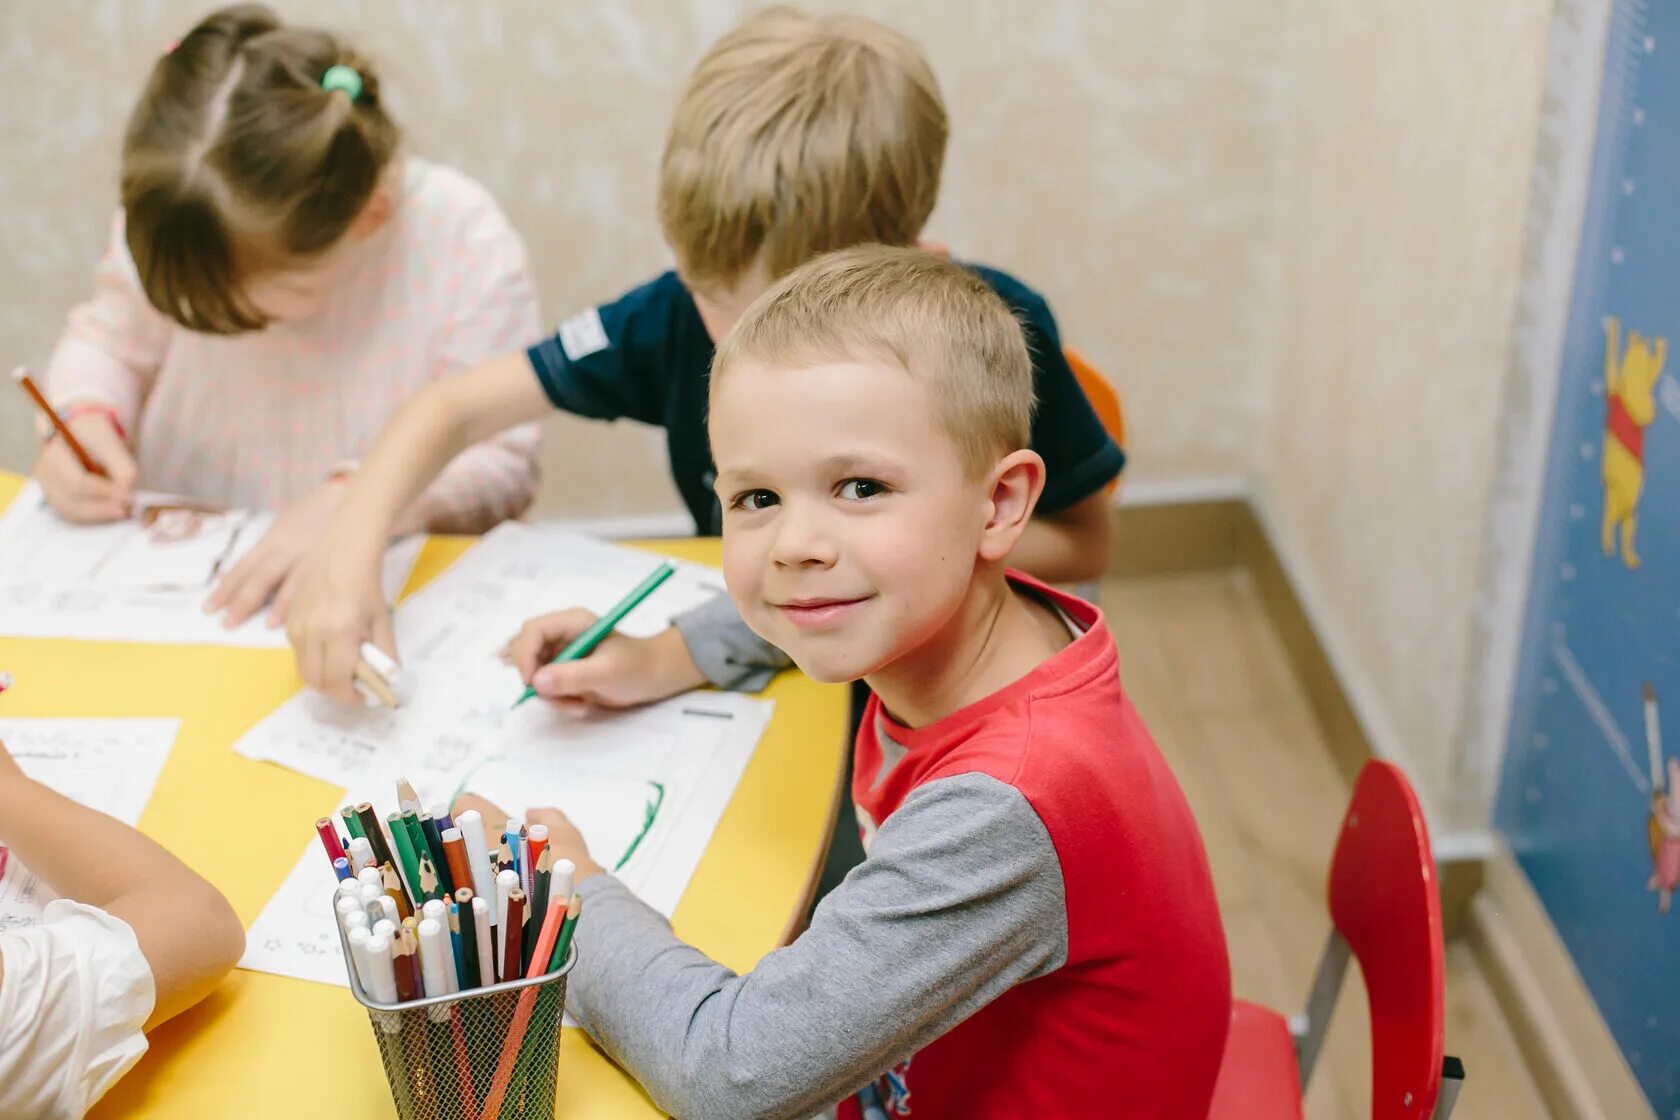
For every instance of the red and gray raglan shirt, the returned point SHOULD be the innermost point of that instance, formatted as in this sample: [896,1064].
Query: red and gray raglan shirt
[1033,934]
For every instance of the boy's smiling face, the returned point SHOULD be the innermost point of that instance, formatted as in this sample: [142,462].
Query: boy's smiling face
[850,529]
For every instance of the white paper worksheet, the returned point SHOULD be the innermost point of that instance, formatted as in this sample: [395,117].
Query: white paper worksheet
[106,764]
[129,582]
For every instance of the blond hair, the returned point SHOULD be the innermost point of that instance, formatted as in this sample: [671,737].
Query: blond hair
[936,320]
[797,135]
[236,160]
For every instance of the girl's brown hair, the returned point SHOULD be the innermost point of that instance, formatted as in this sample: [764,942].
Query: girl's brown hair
[236,160]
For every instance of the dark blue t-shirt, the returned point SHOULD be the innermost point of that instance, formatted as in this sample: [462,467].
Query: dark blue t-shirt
[646,356]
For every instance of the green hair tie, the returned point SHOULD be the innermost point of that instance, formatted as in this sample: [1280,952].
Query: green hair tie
[344,78]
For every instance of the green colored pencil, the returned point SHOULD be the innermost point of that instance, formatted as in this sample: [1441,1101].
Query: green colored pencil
[405,852]
[584,644]
[350,821]
[564,941]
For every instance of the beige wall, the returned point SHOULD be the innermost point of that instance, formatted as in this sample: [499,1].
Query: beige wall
[1404,166]
[1118,155]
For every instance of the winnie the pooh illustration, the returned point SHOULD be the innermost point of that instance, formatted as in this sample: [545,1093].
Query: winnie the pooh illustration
[1631,404]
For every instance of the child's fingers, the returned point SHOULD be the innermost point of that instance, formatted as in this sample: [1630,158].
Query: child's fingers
[542,637]
[242,592]
[282,601]
[589,678]
[486,809]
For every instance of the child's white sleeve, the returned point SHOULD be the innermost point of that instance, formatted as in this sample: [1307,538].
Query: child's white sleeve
[75,993]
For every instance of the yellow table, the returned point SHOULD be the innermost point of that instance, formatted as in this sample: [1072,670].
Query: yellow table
[267,1046]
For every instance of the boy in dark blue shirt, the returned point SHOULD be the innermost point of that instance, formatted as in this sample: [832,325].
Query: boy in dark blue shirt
[795,136]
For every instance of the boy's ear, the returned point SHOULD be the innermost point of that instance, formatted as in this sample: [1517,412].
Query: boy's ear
[1017,482]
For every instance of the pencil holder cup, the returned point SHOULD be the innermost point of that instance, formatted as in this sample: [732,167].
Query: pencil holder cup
[483,1054]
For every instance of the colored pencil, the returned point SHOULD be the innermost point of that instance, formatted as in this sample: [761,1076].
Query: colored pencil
[513,927]
[375,834]
[410,863]
[539,904]
[434,844]
[403,967]
[471,824]
[395,892]
[584,644]
[351,821]
[546,941]
[469,938]
[455,856]
[89,464]
[407,800]
[564,941]
[428,880]
[328,832]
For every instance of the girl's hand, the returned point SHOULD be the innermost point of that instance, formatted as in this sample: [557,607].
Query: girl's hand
[77,495]
[270,570]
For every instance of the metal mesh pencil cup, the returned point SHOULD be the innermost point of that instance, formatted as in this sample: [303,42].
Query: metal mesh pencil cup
[483,1054]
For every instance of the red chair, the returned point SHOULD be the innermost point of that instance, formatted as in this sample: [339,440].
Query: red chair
[1385,910]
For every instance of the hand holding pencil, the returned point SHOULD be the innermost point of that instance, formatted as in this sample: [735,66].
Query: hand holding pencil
[623,672]
[85,467]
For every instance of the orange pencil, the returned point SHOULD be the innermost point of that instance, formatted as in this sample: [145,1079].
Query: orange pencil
[21,376]
[522,1013]
[455,855]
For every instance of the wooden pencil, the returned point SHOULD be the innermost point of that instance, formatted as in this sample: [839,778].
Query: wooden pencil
[89,464]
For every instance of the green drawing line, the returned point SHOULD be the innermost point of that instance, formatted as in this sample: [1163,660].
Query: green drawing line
[647,824]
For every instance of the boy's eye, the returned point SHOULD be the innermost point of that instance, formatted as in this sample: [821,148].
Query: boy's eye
[753,500]
[861,489]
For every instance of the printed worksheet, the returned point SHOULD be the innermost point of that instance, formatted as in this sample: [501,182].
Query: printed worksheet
[106,764]
[141,580]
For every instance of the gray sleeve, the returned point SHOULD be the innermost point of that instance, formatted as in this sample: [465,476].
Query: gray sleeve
[960,899]
[726,650]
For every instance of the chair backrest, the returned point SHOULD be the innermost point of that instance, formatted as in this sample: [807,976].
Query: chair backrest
[1105,400]
[1384,900]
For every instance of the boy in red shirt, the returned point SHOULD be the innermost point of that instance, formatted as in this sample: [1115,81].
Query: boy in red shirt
[1034,931]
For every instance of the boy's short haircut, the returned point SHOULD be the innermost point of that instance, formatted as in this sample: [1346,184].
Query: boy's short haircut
[796,135]
[936,320]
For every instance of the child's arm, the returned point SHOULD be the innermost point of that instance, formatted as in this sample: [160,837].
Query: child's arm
[339,603]
[961,899]
[187,932]
[1067,546]
[494,311]
[98,377]
[711,642]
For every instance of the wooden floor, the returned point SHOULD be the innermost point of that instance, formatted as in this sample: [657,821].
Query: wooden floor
[1202,664]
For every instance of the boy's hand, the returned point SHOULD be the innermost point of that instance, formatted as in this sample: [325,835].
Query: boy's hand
[621,673]
[564,839]
[77,495]
[271,569]
[338,604]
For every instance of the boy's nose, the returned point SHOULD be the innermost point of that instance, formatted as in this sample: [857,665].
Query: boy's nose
[802,540]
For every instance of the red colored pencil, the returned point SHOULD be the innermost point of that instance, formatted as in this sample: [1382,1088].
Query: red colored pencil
[329,839]
[513,941]
[21,376]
